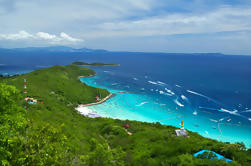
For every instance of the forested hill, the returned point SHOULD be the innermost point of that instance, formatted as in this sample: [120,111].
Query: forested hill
[52,132]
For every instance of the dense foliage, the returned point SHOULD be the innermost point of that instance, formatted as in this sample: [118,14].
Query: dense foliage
[53,133]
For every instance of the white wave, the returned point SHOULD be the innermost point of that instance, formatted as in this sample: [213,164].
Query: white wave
[184,97]
[169,91]
[178,103]
[141,104]
[195,113]
[161,92]
[208,98]
[213,120]
[142,88]
[229,120]
[109,72]
[230,112]
[221,119]
[115,84]
[135,79]
[247,111]
[152,82]
[195,93]
[161,83]
[151,89]
[178,86]
[87,112]
[249,119]
[157,83]
[206,132]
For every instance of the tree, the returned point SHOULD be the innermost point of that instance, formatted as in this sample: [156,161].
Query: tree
[12,121]
[22,142]
[186,160]
[101,154]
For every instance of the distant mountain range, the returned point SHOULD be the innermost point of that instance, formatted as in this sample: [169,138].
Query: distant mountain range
[85,50]
[53,49]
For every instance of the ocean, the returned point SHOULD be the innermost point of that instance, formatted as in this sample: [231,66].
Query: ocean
[211,93]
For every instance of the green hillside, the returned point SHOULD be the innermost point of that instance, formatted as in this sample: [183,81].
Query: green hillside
[54,133]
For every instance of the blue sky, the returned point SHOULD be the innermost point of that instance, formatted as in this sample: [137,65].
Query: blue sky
[129,25]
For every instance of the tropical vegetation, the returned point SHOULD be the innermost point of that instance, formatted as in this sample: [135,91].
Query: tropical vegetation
[52,132]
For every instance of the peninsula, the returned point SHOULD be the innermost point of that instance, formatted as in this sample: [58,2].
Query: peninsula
[93,64]
[52,132]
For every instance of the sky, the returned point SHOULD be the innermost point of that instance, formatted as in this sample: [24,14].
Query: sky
[180,26]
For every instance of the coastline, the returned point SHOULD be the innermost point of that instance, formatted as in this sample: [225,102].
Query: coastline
[83,108]
[109,111]
[86,76]
[99,102]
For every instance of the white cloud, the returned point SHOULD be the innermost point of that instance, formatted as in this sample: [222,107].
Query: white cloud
[16,36]
[45,36]
[95,18]
[222,19]
[64,36]
[112,21]
[51,38]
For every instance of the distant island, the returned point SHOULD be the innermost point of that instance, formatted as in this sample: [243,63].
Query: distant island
[93,64]
[42,127]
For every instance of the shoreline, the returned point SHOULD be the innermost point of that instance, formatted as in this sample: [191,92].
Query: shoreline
[88,112]
[83,108]
[87,76]
[85,111]
[99,102]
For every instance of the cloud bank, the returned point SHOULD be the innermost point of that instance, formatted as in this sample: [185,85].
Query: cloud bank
[166,25]
[51,38]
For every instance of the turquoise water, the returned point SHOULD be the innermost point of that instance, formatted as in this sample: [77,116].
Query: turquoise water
[210,92]
[142,105]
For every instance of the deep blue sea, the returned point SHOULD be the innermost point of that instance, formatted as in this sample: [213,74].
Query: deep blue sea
[210,92]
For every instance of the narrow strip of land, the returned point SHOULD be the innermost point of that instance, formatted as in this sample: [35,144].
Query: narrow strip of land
[99,102]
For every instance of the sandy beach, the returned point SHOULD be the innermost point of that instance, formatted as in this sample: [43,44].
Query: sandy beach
[83,108]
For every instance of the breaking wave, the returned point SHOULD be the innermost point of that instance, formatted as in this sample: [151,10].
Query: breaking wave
[141,104]
[201,95]
[152,82]
[178,103]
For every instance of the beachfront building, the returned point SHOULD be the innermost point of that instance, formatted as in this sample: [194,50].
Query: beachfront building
[126,126]
[181,131]
[97,98]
